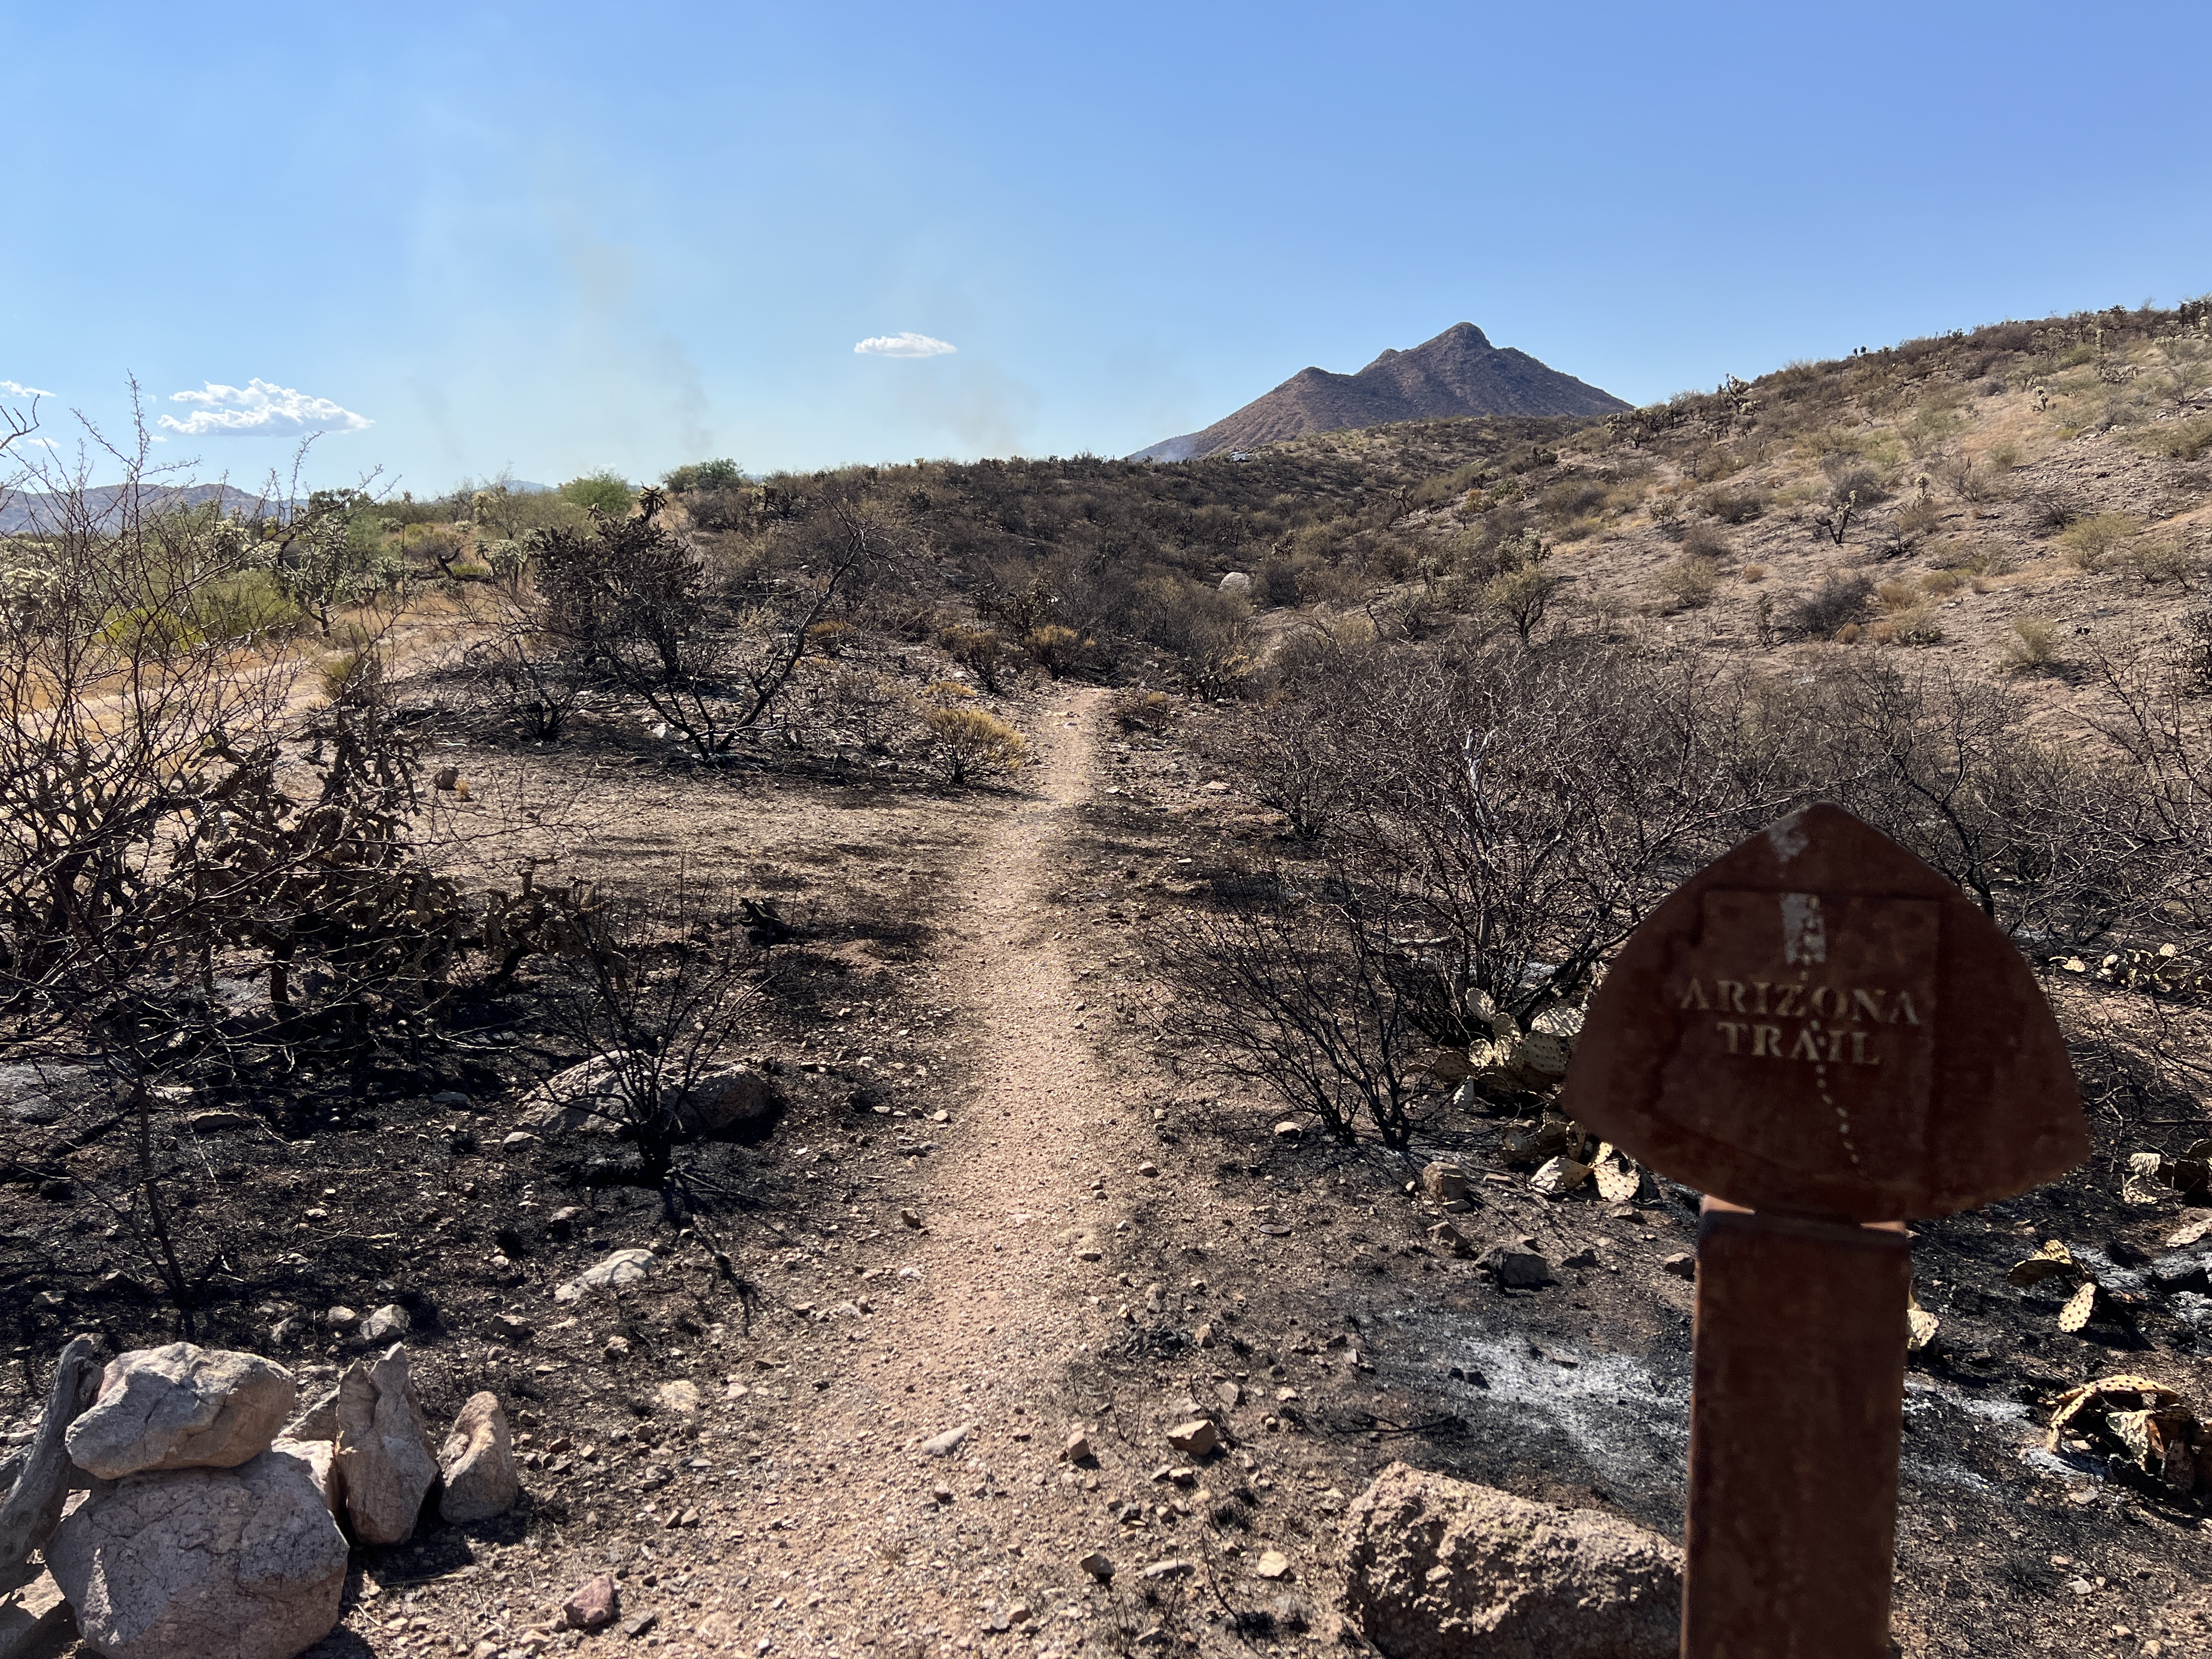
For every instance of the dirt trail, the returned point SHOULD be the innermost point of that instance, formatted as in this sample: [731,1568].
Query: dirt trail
[978,1326]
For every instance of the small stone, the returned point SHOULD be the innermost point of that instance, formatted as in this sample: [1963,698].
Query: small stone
[1289,1129]
[1681,1264]
[339,1318]
[623,1268]
[566,1220]
[1444,1181]
[388,1323]
[1518,1269]
[1202,1337]
[449,1097]
[945,1444]
[1097,1566]
[617,1347]
[1230,1394]
[638,1624]
[509,1328]
[909,1218]
[477,1463]
[1088,1253]
[1078,1449]
[204,1122]
[1195,1438]
[679,1396]
[1148,1171]
[1272,1564]
[288,1330]
[179,1407]
[518,1140]
[1171,1569]
[593,1605]
[1448,1239]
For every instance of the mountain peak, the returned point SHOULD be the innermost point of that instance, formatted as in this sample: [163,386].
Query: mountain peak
[1458,373]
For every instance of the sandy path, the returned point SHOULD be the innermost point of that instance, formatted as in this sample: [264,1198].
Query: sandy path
[893,1547]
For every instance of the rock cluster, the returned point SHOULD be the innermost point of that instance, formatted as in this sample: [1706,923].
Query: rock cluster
[213,1524]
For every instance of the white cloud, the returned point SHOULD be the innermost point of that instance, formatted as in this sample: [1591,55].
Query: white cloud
[904,345]
[258,409]
[11,389]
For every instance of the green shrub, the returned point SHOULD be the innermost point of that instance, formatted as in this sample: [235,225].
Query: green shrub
[2086,542]
[1914,625]
[603,491]
[249,605]
[1688,581]
[2181,440]
[723,474]
[2033,647]
[969,741]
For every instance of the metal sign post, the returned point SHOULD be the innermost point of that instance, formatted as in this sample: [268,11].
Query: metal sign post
[1825,1038]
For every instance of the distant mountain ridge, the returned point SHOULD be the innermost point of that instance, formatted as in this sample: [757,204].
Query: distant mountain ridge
[30,512]
[1457,374]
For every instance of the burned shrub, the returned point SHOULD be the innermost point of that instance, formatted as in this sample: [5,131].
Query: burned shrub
[1839,599]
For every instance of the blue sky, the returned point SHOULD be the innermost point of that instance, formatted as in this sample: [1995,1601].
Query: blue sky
[559,236]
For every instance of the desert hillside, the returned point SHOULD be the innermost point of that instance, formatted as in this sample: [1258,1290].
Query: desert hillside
[971,1051]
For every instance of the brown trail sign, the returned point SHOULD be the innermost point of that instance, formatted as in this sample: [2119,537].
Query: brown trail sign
[1827,1038]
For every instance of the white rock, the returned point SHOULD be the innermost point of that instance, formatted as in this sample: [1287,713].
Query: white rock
[943,1445]
[623,1267]
[596,1097]
[679,1396]
[478,1463]
[1195,1438]
[387,1322]
[186,1564]
[591,1096]
[181,1407]
[384,1450]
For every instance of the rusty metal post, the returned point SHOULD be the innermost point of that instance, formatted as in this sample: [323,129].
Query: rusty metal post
[1795,1410]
